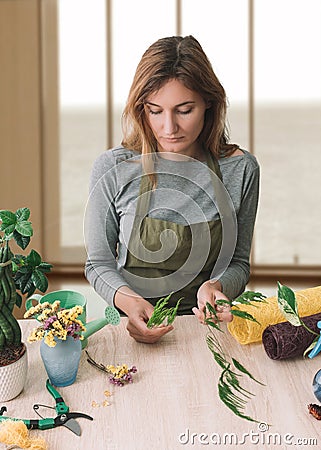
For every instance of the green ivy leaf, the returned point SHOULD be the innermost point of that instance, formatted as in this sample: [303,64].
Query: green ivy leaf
[288,305]
[45,267]
[25,283]
[24,227]
[8,230]
[39,280]
[22,241]
[33,259]
[23,213]
[8,221]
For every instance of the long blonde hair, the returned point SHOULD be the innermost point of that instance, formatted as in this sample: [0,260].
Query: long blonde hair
[183,59]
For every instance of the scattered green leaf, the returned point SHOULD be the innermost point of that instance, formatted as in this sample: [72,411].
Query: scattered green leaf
[232,394]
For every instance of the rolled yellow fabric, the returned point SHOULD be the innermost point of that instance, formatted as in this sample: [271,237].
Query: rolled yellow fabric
[246,332]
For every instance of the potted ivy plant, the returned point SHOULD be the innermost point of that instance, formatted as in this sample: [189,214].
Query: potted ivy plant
[20,275]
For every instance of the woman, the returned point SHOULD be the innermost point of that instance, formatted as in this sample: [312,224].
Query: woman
[173,208]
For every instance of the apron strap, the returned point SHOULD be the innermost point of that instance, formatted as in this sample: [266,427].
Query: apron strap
[145,192]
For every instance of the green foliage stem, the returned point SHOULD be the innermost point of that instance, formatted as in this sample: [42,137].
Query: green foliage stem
[162,314]
[231,393]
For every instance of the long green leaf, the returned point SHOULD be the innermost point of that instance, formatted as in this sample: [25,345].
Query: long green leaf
[232,394]
[248,297]
[288,305]
[211,309]
[242,369]
[213,324]
[244,315]
[222,302]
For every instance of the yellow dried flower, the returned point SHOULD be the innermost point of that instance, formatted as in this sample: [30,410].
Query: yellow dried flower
[55,322]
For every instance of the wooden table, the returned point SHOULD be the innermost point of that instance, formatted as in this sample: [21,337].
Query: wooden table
[173,402]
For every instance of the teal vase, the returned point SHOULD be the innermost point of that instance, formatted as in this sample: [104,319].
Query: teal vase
[62,361]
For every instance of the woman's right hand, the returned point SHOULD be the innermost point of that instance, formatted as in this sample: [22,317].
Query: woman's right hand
[139,311]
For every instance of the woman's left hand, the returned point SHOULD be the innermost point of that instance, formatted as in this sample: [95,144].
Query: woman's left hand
[209,292]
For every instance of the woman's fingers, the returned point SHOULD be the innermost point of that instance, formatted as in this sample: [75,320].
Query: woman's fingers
[223,314]
[199,314]
[141,333]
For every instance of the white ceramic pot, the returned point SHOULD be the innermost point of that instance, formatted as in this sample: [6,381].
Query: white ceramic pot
[13,378]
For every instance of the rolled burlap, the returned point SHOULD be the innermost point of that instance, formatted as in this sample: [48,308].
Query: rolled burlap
[284,341]
[246,332]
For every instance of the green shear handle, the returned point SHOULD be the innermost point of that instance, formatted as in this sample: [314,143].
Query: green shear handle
[43,424]
[61,406]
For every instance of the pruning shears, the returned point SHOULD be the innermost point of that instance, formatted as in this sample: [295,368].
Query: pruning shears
[64,417]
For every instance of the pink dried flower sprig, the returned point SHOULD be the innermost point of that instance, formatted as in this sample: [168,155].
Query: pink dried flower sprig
[120,375]
[56,322]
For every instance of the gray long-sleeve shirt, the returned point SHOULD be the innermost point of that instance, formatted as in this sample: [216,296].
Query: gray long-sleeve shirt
[184,194]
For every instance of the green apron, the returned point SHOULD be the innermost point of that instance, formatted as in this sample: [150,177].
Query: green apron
[183,271]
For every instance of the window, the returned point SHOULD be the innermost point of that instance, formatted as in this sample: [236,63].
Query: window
[268,61]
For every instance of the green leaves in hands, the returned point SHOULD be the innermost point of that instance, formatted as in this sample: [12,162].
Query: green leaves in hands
[247,298]
[162,314]
[211,319]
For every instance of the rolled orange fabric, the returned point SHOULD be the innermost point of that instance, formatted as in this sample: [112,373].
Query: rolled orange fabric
[246,332]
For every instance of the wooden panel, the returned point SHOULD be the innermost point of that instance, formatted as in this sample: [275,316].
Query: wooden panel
[50,131]
[20,138]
